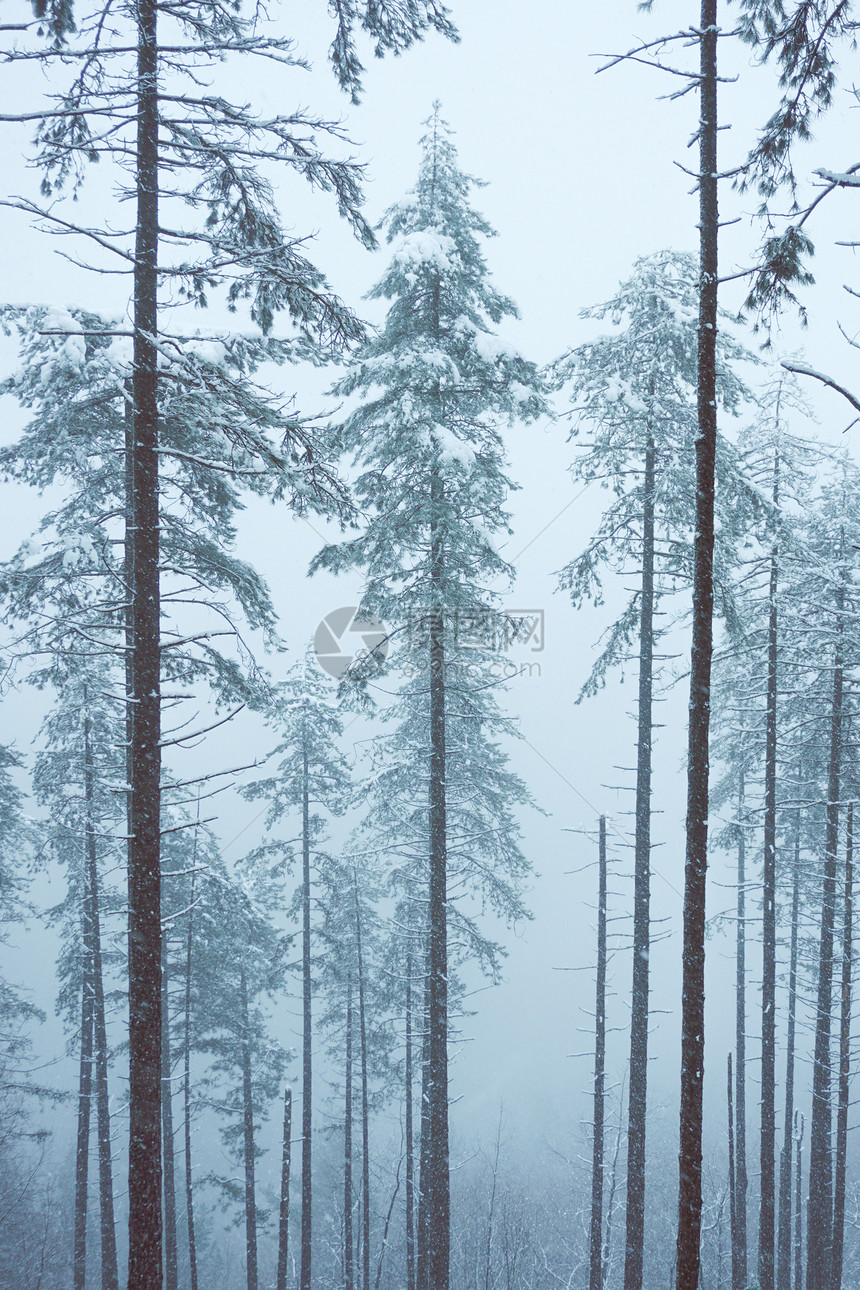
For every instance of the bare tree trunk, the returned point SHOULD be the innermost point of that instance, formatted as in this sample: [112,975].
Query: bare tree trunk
[365,1102]
[189,1182]
[248,1139]
[693,989]
[741,1181]
[409,1133]
[768,991]
[737,1283]
[144,1167]
[610,1198]
[348,1238]
[307,1019]
[109,1267]
[844,1060]
[284,1212]
[421,1263]
[819,1214]
[798,1202]
[386,1227]
[783,1266]
[85,1085]
[638,1094]
[171,1252]
[491,1216]
[595,1275]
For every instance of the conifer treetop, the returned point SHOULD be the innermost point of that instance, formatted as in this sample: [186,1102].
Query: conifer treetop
[433,387]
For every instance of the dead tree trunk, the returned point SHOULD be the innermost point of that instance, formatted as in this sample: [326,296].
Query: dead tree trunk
[284,1212]
[386,1227]
[610,1196]
[693,988]
[783,1264]
[638,1094]
[844,1060]
[595,1275]
[144,1166]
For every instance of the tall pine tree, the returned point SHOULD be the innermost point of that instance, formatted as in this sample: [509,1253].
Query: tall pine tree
[432,388]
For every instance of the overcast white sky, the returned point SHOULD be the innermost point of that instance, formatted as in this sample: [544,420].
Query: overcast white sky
[581,180]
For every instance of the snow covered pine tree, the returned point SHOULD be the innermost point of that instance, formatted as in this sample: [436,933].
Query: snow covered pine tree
[131,94]
[434,384]
[634,391]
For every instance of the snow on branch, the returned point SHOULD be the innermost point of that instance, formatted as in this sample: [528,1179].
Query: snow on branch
[802,370]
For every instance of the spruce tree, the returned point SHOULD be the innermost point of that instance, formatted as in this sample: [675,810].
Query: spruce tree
[432,389]
[239,963]
[634,393]
[311,774]
[126,89]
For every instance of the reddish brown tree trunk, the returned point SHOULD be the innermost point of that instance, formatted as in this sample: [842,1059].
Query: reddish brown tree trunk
[693,988]
[144,1164]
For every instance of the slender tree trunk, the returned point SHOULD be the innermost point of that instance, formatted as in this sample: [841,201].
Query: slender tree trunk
[768,990]
[491,1216]
[737,1283]
[171,1252]
[595,1275]
[144,1167]
[189,1181]
[819,1214]
[284,1213]
[741,1181]
[783,1265]
[437,1189]
[248,1138]
[348,1238]
[85,1085]
[798,1202]
[307,1018]
[844,1060]
[365,1103]
[638,1094]
[610,1198]
[693,989]
[422,1247]
[409,1132]
[386,1228]
[109,1267]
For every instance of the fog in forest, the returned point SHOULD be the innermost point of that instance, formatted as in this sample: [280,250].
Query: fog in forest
[360,384]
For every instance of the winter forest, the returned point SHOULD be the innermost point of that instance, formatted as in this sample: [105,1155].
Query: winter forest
[429,756]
